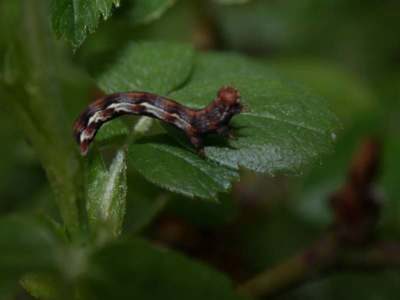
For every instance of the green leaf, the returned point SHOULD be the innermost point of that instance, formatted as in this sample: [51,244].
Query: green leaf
[287,127]
[156,67]
[106,193]
[170,166]
[26,245]
[146,11]
[161,68]
[138,270]
[74,19]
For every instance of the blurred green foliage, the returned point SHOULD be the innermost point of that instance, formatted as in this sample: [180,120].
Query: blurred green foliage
[57,56]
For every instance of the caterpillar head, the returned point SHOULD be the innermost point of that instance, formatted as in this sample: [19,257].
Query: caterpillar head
[230,97]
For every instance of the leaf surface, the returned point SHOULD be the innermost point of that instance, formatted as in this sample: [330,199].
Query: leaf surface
[74,19]
[170,166]
[156,67]
[106,193]
[286,127]
[161,68]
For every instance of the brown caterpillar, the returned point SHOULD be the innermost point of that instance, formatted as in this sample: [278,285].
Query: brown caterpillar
[196,123]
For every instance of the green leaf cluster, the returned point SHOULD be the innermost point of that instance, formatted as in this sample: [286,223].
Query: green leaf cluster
[77,251]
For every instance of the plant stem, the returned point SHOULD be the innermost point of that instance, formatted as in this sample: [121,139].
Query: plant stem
[293,271]
[324,258]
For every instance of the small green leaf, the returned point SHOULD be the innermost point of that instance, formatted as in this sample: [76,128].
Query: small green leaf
[156,67]
[146,11]
[286,128]
[74,19]
[106,193]
[138,270]
[170,166]
[26,245]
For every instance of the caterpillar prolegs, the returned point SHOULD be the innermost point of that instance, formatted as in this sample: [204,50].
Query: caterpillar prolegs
[196,123]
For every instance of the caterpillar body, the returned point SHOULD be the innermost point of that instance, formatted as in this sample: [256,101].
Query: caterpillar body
[196,123]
